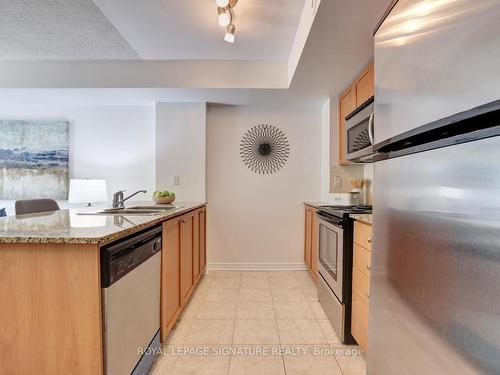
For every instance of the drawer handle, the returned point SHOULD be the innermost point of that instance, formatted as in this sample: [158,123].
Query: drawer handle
[370,239]
[368,267]
[367,294]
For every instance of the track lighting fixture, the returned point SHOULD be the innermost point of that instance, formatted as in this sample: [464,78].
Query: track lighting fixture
[225,18]
[229,37]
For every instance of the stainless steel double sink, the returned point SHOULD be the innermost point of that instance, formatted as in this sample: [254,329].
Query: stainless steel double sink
[134,210]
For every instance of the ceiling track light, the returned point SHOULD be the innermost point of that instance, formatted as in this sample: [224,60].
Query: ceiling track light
[225,17]
[229,37]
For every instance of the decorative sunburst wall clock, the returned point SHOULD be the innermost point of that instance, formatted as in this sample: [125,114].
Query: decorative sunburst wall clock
[264,149]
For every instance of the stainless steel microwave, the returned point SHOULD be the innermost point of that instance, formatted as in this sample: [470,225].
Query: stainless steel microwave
[359,133]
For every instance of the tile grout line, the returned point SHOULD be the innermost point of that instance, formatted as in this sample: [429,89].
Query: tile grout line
[234,325]
[278,330]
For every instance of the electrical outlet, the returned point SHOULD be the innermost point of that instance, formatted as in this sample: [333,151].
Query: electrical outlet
[337,181]
[176,180]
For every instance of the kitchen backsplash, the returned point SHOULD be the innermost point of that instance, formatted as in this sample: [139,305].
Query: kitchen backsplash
[349,172]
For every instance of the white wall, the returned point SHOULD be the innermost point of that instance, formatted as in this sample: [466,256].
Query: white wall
[180,149]
[110,142]
[257,221]
[325,151]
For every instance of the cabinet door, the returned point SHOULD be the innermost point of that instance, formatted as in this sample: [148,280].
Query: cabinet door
[203,239]
[314,244]
[365,86]
[171,297]
[187,247]
[196,245]
[308,238]
[359,321]
[347,104]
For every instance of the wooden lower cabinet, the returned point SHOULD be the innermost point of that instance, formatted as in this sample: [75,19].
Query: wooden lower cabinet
[311,240]
[187,251]
[171,296]
[202,214]
[361,282]
[51,319]
[183,263]
[314,245]
[359,320]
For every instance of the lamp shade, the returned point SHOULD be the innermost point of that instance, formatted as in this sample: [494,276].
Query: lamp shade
[87,191]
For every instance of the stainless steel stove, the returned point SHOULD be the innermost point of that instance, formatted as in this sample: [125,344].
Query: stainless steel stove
[335,253]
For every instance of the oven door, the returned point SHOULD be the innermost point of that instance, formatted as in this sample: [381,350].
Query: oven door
[331,253]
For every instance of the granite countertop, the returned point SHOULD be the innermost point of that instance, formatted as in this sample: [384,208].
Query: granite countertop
[316,204]
[365,218]
[69,227]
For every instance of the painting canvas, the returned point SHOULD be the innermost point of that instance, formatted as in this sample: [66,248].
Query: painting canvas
[34,159]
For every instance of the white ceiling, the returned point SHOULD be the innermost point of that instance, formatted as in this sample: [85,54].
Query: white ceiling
[145,29]
[338,47]
[58,29]
[188,29]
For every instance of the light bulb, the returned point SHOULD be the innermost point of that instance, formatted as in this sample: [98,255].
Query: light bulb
[229,37]
[224,17]
[222,3]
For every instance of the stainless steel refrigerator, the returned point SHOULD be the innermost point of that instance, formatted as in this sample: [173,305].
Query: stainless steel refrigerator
[435,283]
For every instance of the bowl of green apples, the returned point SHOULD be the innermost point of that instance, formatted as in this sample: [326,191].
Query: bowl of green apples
[163,197]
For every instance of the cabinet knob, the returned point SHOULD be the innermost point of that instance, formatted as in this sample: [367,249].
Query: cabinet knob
[367,294]
[370,239]
[368,267]
[184,220]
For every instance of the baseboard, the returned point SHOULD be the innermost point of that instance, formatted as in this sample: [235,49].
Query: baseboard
[257,267]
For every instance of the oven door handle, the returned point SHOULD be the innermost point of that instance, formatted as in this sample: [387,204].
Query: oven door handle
[330,220]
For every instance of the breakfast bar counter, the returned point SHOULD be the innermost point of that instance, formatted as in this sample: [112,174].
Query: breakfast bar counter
[50,282]
[71,227]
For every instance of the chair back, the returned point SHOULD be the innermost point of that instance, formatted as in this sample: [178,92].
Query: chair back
[32,206]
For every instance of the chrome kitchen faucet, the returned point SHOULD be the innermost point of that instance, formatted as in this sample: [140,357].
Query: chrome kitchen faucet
[118,198]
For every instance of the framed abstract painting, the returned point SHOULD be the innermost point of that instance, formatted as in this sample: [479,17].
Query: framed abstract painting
[34,159]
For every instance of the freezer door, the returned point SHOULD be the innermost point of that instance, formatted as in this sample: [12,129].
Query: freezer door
[434,59]
[435,281]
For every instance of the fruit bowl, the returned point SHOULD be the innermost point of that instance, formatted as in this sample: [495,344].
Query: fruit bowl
[163,200]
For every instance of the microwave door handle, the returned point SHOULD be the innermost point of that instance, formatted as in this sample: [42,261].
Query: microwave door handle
[371,128]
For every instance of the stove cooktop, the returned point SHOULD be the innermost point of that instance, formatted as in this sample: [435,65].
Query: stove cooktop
[345,211]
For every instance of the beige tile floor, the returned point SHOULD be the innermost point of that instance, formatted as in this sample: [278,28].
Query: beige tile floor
[256,322]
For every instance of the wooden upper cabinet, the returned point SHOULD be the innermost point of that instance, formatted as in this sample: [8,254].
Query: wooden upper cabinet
[171,297]
[365,86]
[358,93]
[347,105]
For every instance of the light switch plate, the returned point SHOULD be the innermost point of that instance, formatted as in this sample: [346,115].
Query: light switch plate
[176,180]
[337,181]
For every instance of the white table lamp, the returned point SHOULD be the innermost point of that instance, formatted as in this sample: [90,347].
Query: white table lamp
[87,191]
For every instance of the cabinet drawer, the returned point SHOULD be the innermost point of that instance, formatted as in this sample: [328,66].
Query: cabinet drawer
[362,260]
[359,321]
[361,284]
[363,235]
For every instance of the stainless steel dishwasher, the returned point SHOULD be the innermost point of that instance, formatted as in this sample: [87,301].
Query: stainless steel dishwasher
[130,278]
